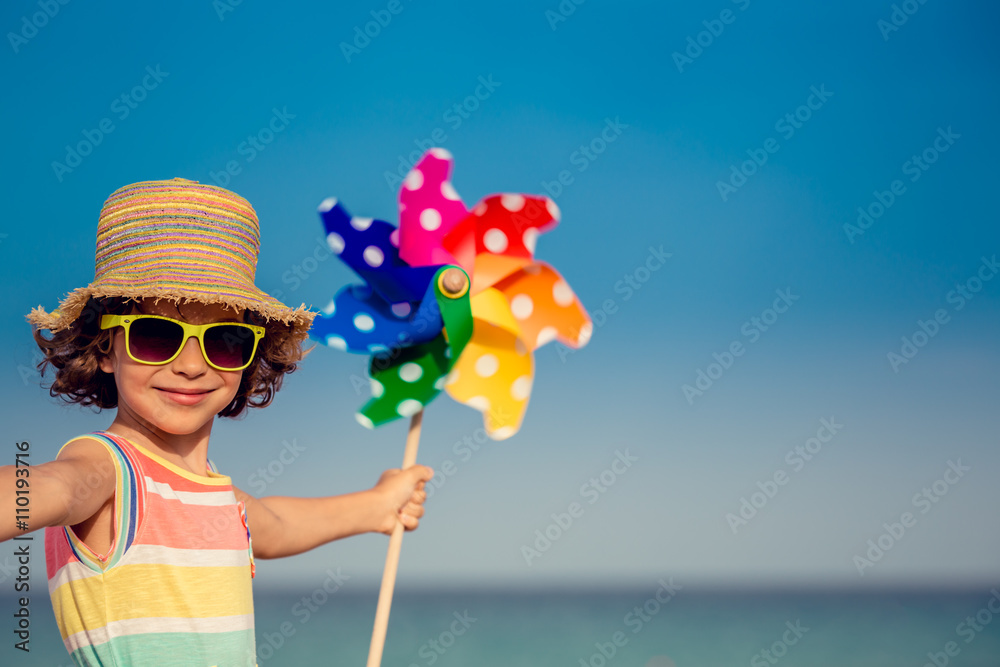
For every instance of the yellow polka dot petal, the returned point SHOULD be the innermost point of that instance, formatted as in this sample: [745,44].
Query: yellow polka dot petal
[494,373]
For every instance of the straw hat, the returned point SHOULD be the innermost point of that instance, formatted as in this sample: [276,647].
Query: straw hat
[179,240]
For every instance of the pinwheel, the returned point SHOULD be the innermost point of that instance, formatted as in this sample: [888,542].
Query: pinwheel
[452,300]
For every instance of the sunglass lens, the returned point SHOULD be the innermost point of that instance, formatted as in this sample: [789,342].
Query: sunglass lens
[229,346]
[154,340]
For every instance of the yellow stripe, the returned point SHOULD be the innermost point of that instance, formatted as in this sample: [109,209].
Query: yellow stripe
[213,478]
[142,591]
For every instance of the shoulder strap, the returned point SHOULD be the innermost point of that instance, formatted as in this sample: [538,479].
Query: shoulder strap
[129,506]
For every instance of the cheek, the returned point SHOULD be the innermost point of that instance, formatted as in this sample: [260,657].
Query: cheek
[233,381]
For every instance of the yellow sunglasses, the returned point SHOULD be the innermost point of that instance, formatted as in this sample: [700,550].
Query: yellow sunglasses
[158,340]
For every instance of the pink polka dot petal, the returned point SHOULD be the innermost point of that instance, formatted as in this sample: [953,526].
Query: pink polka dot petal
[414,180]
[430,219]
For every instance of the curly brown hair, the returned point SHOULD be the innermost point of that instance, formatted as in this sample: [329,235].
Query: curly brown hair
[76,353]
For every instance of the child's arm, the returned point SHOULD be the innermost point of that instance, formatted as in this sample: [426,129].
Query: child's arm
[63,492]
[285,526]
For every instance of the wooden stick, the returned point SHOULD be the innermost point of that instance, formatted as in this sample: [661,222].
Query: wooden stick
[392,556]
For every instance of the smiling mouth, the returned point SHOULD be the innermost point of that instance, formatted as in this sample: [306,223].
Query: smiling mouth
[186,392]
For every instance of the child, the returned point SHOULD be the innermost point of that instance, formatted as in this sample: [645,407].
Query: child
[148,547]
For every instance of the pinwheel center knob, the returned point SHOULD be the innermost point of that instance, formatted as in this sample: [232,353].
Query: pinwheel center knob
[454,282]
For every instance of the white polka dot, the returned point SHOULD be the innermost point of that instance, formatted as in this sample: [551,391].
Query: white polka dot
[363,322]
[376,348]
[336,342]
[520,347]
[401,309]
[533,269]
[487,365]
[330,308]
[512,203]
[394,238]
[530,239]
[430,219]
[495,240]
[327,204]
[364,421]
[414,180]
[503,432]
[452,377]
[409,407]
[480,208]
[521,306]
[545,335]
[480,403]
[336,242]
[377,388]
[448,191]
[553,209]
[361,224]
[520,389]
[373,255]
[441,153]
[562,294]
[586,331]
[440,382]
[410,372]
[447,353]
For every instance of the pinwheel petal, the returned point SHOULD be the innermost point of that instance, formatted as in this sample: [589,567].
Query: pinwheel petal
[404,381]
[510,224]
[494,375]
[474,341]
[366,246]
[359,320]
[545,307]
[429,208]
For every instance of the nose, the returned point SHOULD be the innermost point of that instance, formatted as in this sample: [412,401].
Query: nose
[190,361]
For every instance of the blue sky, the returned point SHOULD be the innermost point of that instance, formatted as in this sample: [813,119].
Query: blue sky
[210,78]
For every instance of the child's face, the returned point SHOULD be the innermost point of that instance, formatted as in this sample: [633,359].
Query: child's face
[151,396]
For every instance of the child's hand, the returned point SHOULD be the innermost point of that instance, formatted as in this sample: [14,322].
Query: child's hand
[401,497]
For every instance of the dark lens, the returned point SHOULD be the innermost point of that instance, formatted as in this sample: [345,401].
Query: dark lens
[154,340]
[229,346]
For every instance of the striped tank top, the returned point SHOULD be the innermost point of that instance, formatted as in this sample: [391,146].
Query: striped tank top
[174,588]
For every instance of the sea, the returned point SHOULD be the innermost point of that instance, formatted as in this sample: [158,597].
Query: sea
[661,625]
